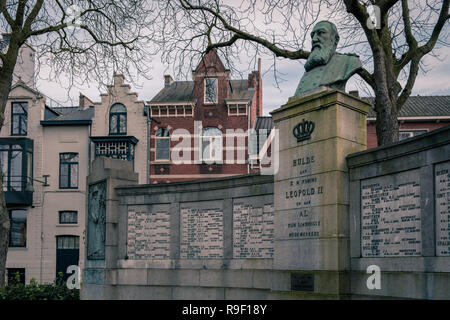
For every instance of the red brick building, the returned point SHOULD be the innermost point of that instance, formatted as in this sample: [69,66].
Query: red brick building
[419,115]
[199,129]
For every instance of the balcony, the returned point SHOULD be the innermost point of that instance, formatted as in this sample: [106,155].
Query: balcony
[118,147]
[16,157]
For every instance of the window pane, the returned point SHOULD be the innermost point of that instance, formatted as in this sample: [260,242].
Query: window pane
[113,124]
[15,124]
[118,107]
[210,90]
[68,217]
[68,170]
[74,175]
[123,123]
[18,231]
[20,107]
[68,242]
[23,125]
[69,157]
[64,176]
[162,148]
[15,174]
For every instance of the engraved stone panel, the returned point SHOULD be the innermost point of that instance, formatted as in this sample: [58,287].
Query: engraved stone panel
[442,189]
[253,228]
[201,231]
[390,221]
[96,226]
[148,232]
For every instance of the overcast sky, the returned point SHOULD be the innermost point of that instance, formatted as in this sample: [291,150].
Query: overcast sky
[435,82]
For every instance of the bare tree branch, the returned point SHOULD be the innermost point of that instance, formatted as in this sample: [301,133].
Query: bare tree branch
[5,13]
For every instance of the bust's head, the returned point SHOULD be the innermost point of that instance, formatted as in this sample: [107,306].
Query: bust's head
[324,40]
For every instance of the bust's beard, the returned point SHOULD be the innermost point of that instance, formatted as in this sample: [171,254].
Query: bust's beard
[319,56]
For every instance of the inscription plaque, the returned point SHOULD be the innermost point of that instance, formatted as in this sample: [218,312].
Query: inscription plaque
[302,223]
[253,230]
[390,209]
[201,233]
[302,282]
[148,234]
[442,205]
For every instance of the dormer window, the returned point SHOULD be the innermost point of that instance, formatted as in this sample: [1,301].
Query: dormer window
[210,90]
[118,119]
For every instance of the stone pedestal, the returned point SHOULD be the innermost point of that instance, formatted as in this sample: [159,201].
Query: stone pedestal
[101,223]
[311,193]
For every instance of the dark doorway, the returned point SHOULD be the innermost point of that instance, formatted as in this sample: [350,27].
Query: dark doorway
[67,254]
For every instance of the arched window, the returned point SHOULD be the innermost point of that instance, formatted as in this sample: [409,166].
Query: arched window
[211,145]
[118,119]
[162,144]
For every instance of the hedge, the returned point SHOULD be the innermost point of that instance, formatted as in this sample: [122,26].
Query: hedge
[34,291]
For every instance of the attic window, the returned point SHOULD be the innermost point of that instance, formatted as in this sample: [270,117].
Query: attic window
[237,109]
[210,90]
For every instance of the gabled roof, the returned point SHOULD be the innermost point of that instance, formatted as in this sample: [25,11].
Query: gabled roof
[420,106]
[22,84]
[183,91]
[178,91]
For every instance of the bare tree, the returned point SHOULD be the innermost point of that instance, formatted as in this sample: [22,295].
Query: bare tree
[84,40]
[391,37]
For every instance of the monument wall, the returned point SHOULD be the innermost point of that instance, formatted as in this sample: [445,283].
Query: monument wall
[252,237]
[210,239]
[400,217]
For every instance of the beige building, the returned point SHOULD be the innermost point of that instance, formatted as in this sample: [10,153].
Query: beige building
[45,155]
[119,126]
[44,164]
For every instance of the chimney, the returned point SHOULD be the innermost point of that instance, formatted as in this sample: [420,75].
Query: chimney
[354,93]
[81,101]
[167,80]
[84,102]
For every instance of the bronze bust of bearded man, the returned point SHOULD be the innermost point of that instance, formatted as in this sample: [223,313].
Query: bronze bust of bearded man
[326,67]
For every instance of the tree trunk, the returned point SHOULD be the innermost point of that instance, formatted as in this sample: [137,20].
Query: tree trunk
[6,76]
[387,123]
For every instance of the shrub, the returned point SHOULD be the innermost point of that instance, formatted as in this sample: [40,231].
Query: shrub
[34,291]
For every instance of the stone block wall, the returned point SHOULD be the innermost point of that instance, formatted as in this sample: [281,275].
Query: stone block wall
[400,219]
